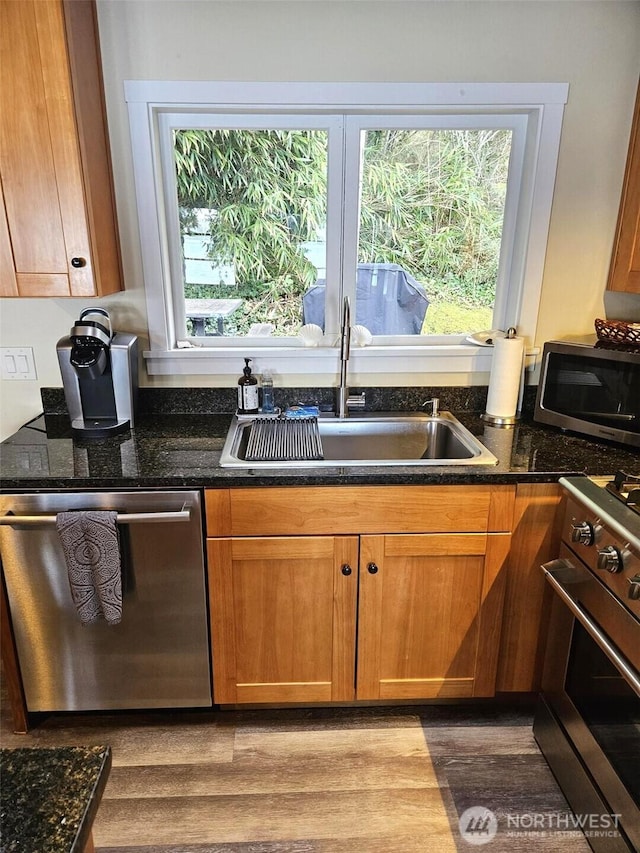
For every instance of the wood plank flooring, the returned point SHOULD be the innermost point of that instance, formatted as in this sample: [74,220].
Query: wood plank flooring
[363,780]
[487,756]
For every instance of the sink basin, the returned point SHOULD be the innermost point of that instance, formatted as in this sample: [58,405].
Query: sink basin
[370,439]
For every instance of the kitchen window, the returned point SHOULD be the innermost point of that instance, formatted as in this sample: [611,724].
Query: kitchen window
[261,206]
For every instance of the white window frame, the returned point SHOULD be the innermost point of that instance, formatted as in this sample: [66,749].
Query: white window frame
[167,124]
[535,110]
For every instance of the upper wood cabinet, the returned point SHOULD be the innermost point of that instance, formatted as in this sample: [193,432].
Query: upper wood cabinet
[624,274]
[58,229]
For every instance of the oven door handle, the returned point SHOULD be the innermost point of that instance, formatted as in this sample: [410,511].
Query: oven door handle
[590,627]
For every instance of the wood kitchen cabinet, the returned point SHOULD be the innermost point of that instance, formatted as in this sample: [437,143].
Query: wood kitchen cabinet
[58,229]
[283,618]
[624,273]
[427,615]
[535,540]
[322,594]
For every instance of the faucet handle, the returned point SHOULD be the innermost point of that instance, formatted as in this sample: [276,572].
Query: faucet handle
[356,401]
[435,403]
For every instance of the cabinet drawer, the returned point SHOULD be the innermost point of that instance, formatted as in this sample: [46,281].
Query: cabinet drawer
[316,510]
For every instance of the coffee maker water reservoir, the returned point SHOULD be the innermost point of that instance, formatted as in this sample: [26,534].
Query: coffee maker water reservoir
[100,375]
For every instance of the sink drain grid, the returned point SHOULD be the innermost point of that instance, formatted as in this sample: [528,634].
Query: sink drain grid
[284,440]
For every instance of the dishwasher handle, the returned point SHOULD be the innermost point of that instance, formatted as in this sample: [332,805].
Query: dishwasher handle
[183,514]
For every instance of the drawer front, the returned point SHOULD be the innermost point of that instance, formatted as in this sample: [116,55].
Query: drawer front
[316,510]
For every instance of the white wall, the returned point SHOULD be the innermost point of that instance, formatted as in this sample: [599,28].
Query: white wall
[592,45]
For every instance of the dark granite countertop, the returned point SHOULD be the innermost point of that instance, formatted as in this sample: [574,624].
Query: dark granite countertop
[49,797]
[178,439]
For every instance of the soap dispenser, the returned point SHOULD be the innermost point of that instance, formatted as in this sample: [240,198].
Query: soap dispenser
[247,391]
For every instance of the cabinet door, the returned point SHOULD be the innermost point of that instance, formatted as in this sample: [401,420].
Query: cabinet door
[624,274]
[283,618]
[54,160]
[429,615]
[8,284]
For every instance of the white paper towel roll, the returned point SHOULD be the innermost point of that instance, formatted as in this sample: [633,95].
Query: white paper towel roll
[506,375]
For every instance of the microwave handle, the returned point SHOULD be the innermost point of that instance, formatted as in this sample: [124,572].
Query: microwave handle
[613,416]
[590,627]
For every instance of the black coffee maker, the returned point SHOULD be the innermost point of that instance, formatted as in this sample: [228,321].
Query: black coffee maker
[100,375]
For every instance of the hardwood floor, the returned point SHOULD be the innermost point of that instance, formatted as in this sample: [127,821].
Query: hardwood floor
[363,780]
[487,756]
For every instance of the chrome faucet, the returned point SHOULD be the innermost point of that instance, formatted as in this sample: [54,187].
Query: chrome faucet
[344,399]
[435,405]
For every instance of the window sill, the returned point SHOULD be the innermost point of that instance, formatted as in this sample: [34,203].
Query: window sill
[223,361]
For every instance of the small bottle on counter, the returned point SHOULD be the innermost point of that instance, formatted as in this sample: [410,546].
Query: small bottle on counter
[267,393]
[247,391]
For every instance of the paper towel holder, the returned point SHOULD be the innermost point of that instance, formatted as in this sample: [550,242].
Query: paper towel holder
[493,420]
[505,422]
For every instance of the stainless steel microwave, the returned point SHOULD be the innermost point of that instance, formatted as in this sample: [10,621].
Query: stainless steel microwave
[592,389]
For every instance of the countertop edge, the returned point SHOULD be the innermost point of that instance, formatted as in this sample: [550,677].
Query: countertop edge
[249,479]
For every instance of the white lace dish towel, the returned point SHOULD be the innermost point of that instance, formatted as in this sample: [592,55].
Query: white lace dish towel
[91,549]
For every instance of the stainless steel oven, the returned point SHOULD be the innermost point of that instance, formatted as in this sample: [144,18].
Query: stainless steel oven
[588,720]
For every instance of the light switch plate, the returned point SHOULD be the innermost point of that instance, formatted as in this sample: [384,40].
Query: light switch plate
[18,363]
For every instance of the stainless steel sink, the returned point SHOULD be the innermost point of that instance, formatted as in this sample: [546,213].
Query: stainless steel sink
[371,439]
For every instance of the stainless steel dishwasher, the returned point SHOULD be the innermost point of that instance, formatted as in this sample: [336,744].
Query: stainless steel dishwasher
[158,655]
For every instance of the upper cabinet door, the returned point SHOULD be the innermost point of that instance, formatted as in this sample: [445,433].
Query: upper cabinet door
[624,274]
[59,216]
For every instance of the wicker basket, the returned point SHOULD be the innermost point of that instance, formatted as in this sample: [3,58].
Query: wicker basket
[618,331]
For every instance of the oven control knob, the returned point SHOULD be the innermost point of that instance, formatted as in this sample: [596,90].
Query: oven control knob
[609,560]
[582,533]
[634,587]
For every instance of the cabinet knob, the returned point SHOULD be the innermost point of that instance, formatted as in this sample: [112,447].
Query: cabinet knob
[372,569]
[346,569]
[78,262]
